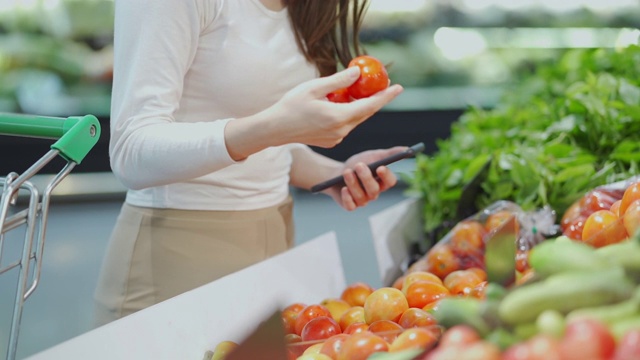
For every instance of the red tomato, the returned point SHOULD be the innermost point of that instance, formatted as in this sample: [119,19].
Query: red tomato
[331,347]
[630,195]
[386,303]
[574,228]
[603,228]
[340,96]
[587,339]
[355,294]
[629,346]
[414,317]
[289,316]
[522,260]
[356,327]
[481,350]
[459,336]
[631,218]
[308,313]
[467,238]
[373,77]
[598,199]
[571,214]
[414,338]
[320,328]
[360,346]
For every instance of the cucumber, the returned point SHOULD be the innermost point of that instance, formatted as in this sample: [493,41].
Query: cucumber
[461,311]
[625,254]
[610,314]
[564,293]
[554,257]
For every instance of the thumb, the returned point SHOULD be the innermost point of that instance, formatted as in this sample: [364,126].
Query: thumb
[324,85]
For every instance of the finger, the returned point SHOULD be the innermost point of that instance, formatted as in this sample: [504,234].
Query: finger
[364,108]
[324,85]
[387,179]
[347,200]
[354,187]
[368,181]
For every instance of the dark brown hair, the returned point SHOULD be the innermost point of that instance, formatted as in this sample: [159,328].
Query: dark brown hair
[327,31]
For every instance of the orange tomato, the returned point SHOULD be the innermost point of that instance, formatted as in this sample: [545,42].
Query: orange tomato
[414,317]
[353,315]
[615,208]
[386,303]
[420,293]
[432,306]
[467,238]
[631,218]
[361,346]
[496,219]
[419,276]
[482,274]
[442,261]
[479,290]
[336,307]
[631,194]
[414,338]
[603,228]
[386,329]
[355,294]
[461,282]
[598,199]
[398,282]
[332,345]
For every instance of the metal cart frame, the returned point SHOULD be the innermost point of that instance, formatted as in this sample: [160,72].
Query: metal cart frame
[75,136]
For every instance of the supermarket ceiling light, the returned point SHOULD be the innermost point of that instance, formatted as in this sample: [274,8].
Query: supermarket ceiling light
[395,6]
[457,44]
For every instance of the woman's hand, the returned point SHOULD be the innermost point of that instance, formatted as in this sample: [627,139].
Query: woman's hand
[362,186]
[304,115]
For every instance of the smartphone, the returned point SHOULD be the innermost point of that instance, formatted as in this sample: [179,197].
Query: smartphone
[410,152]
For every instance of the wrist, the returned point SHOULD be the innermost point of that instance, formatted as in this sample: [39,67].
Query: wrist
[251,134]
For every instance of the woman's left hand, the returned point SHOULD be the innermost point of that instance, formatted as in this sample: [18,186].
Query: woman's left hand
[362,186]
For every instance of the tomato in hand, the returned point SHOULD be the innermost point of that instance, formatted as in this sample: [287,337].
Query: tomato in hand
[373,77]
[340,96]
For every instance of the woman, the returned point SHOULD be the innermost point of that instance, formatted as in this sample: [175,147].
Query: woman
[214,105]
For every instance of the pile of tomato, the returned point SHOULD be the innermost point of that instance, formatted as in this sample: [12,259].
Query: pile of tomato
[604,216]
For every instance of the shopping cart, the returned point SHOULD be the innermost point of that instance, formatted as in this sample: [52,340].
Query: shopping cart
[75,137]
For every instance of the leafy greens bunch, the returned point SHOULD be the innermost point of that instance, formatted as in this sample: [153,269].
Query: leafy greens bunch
[564,129]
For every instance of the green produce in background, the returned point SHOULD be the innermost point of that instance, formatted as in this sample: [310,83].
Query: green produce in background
[569,127]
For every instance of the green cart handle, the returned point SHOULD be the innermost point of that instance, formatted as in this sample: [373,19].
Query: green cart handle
[75,135]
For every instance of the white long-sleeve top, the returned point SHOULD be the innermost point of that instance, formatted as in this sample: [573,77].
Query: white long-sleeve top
[184,69]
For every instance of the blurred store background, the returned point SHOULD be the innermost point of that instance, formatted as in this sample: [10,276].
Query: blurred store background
[56,60]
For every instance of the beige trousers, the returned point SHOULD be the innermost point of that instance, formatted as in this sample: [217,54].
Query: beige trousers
[156,254]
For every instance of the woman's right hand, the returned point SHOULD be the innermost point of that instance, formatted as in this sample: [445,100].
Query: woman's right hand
[304,115]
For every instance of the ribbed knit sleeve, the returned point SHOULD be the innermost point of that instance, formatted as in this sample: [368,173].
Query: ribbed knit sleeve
[154,45]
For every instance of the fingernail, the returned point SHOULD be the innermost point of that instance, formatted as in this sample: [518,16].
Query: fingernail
[353,71]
